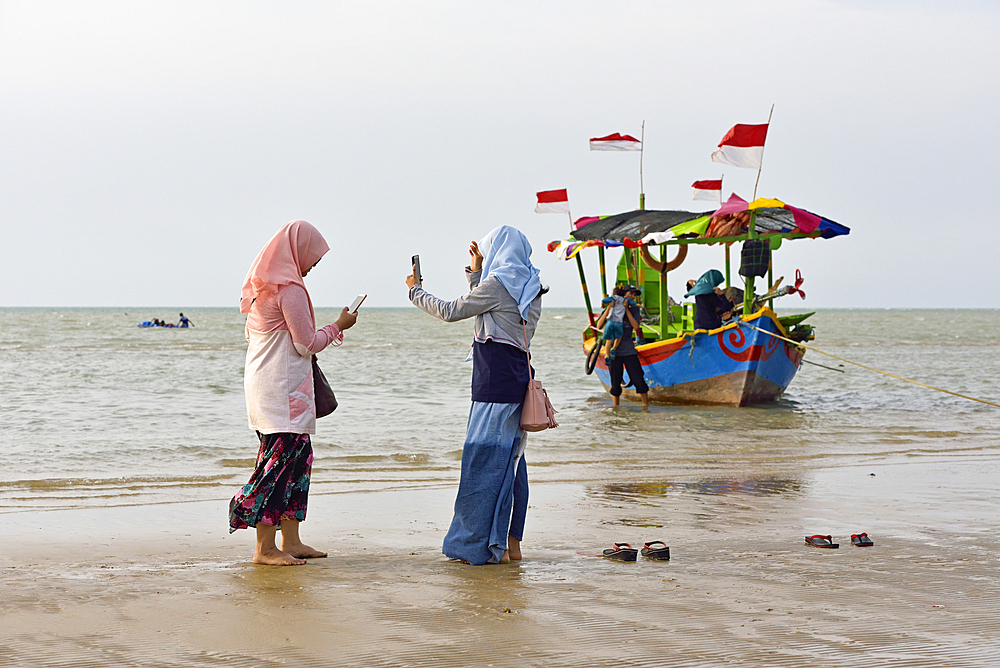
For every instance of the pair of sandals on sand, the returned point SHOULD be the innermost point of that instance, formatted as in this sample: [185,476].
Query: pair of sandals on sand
[857,539]
[656,550]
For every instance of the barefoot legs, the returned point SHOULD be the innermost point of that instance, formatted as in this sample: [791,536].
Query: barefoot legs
[616,401]
[293,545]
[292,553]
[513,548]
[266,552]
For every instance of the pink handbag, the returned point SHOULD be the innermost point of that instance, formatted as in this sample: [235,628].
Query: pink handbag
[537,414]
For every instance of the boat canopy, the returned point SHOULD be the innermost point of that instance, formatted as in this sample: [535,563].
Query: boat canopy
[657,227]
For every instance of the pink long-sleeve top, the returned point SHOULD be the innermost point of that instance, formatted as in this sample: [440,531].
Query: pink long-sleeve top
[278,379]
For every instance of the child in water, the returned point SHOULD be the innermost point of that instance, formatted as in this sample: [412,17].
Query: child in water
[616,309]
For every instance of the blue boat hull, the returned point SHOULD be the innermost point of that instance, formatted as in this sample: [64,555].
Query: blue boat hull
[736,365]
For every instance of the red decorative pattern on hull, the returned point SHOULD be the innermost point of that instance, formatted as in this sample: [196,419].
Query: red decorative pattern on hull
[732,341]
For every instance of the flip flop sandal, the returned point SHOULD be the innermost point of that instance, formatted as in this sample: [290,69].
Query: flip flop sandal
[861,540]
[621,552]
[651,551]
[821,541]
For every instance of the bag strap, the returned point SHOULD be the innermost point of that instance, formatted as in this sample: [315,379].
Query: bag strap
[527,351]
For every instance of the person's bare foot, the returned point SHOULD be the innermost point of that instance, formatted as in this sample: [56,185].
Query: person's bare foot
[276,557]
[505,559]
[513,548]
[303,551]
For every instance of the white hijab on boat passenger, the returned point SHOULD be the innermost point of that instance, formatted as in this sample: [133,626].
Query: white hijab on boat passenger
[507,256]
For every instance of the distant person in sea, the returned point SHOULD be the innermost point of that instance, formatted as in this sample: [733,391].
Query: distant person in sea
[710,304]
[627,357]
[278,381]
[184,322]
[505,298]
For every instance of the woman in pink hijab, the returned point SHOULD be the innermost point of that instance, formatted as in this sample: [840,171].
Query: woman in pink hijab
[281,331]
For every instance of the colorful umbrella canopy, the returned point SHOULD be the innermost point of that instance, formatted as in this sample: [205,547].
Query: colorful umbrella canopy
[659,226]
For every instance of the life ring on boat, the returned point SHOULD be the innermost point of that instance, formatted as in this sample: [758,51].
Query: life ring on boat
[682,253]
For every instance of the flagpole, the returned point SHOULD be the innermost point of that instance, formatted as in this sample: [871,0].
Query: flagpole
[761,166]
[642,147]
[721,179]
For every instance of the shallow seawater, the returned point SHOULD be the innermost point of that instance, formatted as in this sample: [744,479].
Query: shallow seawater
[100,412]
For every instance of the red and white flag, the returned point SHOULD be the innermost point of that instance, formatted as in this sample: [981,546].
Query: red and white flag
[552,201]
[615,142]
[710,190]
[743,146]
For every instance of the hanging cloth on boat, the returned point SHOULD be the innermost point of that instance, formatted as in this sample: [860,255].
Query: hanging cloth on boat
[755,257]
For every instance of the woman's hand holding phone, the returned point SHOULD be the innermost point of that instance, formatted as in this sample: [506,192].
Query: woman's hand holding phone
[412,279]
[346,319]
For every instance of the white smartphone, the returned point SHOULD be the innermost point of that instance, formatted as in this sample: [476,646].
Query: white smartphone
[357,303]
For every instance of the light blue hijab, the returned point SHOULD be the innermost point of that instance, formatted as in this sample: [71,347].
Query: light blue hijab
[508,257]
[706,283]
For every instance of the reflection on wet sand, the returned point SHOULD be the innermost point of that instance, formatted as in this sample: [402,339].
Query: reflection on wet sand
[709,486]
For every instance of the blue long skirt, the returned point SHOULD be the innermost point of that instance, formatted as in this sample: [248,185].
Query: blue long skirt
[493,492]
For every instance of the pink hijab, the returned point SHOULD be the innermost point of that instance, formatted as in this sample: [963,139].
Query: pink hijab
[293,249]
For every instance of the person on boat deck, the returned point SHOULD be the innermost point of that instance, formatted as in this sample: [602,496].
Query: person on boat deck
[278,382]
[731,304]
[184,322]
[734,295]
[627,357]
[505,298]
[710,304]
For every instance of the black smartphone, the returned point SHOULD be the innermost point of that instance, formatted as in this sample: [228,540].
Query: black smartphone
[416,263]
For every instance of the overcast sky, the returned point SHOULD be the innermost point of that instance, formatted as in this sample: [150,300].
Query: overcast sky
[149,149]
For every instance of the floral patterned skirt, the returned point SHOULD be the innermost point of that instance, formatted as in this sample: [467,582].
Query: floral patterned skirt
[279,486]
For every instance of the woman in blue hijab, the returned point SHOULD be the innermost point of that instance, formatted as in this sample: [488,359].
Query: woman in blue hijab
[505,298]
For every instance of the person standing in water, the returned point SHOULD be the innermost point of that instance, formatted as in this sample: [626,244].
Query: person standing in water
[184,322]
[627,357]
[278,380]
[505,298]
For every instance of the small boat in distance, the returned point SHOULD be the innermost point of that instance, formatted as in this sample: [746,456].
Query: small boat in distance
[750,359]
[158,324]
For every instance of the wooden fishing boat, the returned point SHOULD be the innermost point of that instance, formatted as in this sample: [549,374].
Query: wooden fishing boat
[749,360]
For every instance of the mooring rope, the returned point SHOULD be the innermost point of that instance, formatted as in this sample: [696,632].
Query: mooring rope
[884,373]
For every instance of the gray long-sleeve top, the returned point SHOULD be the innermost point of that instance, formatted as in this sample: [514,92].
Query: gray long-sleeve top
[496,312]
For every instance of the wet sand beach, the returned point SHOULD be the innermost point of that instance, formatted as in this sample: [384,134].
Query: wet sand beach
[117,551]
[167,586]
